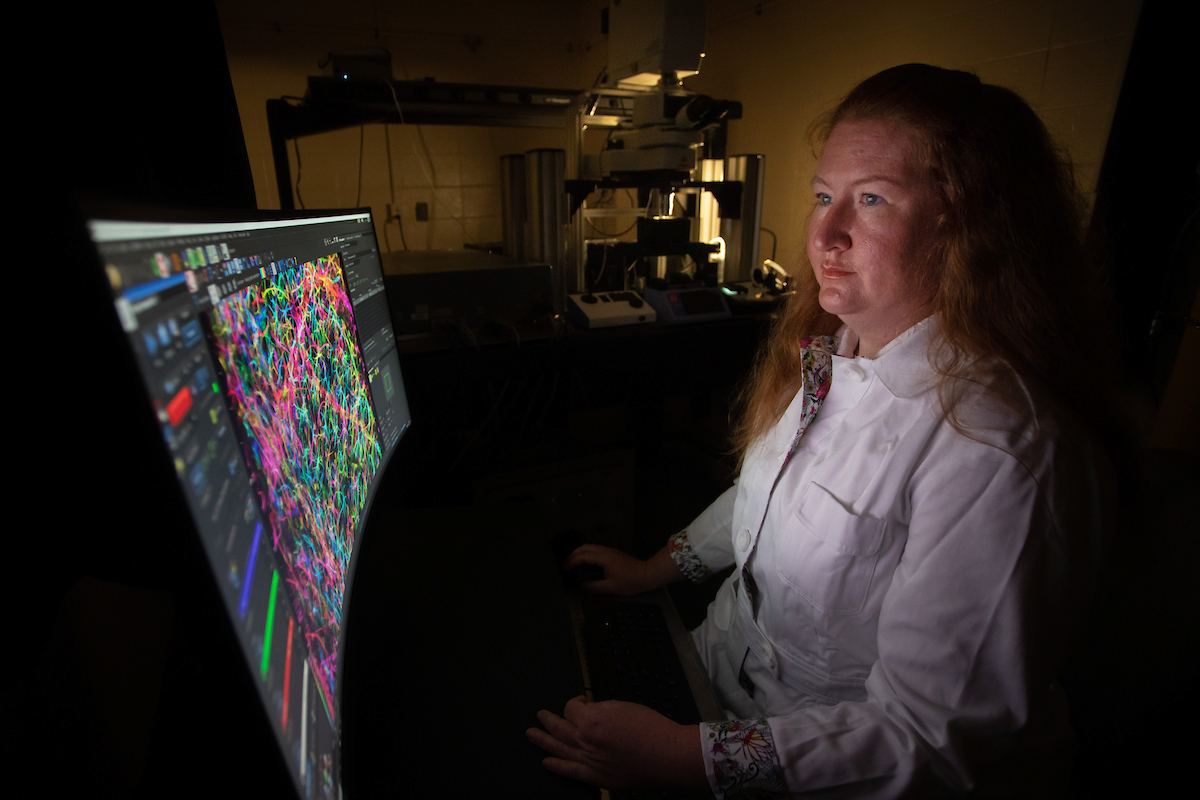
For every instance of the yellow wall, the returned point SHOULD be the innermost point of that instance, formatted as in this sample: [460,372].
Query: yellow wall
[787,61]
[274,46]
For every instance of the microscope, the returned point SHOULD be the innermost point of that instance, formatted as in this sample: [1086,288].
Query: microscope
[661,173]
[697,212]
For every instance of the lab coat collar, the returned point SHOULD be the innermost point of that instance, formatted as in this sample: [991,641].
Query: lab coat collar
[903,365]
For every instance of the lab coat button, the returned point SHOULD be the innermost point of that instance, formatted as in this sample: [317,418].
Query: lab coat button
[767,657]
[854,372]
[743,539]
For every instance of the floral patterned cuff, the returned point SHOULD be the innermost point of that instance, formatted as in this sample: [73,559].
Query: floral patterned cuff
[741,759]
[686,559]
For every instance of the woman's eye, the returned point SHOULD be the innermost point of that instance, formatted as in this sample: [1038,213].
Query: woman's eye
[823,199]
[872,199]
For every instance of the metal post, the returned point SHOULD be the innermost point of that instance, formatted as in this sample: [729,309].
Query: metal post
[546,214]
[575,263]
[709,218]
[741,234]
[512,204]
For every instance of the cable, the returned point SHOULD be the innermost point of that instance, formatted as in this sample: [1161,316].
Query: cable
[421,163]
[387,144]
[296,145]
[603,264]
[392,215]
[650,198]
[387,141]
[501,423]
[606,200]
[549,399]
[486,421]
[612,235]
[362,132]
[537,387]
[774,240]
[400,227]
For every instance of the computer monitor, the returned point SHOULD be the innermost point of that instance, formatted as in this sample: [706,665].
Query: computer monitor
[265,345]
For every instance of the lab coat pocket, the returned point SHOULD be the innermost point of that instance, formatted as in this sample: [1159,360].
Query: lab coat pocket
[830,554]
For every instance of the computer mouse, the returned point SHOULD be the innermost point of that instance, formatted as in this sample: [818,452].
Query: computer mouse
[564,543]
[578,575]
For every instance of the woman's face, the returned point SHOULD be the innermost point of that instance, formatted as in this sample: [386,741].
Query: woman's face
[870,234]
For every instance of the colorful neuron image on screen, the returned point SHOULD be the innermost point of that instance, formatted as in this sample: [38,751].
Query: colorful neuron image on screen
[295,379]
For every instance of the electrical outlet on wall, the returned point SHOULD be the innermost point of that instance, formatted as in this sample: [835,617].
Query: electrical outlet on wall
[422,212]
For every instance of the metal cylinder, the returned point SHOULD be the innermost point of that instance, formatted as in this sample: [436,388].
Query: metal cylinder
[512,204]
[545,216]
[708,216]
[741,234]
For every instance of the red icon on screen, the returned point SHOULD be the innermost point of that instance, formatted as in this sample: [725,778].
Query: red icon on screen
[179,405]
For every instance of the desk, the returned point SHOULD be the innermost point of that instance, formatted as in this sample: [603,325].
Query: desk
[482,410]
[457,633]
[457,630]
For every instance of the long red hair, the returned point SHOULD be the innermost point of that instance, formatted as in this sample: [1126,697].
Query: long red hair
[1014,290]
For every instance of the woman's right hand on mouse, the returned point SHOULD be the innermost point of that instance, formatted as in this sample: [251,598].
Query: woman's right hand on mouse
[623,574]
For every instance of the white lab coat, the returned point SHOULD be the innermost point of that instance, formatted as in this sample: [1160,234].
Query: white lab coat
[917,587]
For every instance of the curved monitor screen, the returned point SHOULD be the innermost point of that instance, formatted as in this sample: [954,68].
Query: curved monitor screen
[267,350]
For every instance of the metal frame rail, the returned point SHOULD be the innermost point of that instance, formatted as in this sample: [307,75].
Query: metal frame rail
[332,104]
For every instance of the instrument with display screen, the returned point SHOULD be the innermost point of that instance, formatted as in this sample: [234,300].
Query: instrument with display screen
[266,349]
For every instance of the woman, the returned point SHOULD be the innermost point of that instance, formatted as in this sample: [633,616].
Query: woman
[916,519]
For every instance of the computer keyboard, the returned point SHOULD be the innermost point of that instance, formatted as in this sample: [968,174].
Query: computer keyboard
[631,657]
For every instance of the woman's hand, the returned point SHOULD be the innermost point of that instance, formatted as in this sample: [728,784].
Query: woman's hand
[620,745]
[623,574]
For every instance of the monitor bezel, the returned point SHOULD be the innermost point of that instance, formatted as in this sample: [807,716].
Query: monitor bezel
[93,209]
